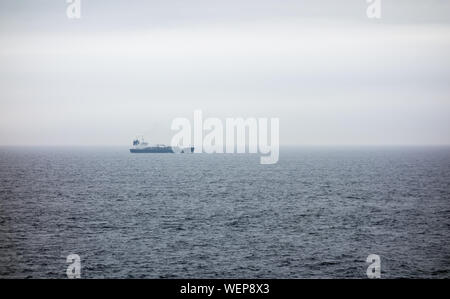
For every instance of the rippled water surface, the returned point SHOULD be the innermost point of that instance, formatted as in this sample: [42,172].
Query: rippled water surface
[318,212]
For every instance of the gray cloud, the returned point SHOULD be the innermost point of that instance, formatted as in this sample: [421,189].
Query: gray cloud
[331,75]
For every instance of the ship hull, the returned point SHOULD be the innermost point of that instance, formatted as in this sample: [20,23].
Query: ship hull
[152,150]
[159,150]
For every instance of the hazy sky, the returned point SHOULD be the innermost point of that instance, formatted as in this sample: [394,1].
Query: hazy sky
[329,73]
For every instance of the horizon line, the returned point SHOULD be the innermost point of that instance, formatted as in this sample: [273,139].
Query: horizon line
[281,145]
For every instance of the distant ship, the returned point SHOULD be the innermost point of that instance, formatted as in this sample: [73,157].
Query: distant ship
[140,146]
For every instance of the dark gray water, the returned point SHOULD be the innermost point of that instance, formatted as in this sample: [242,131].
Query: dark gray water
[319,212]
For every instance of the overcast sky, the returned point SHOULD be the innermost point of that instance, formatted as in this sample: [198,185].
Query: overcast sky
[329,73]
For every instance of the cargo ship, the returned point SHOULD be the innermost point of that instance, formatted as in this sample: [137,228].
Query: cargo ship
[140,146]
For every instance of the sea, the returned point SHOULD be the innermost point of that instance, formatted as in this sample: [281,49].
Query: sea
[317,213]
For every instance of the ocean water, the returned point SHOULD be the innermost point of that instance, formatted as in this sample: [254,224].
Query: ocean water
[317,213]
